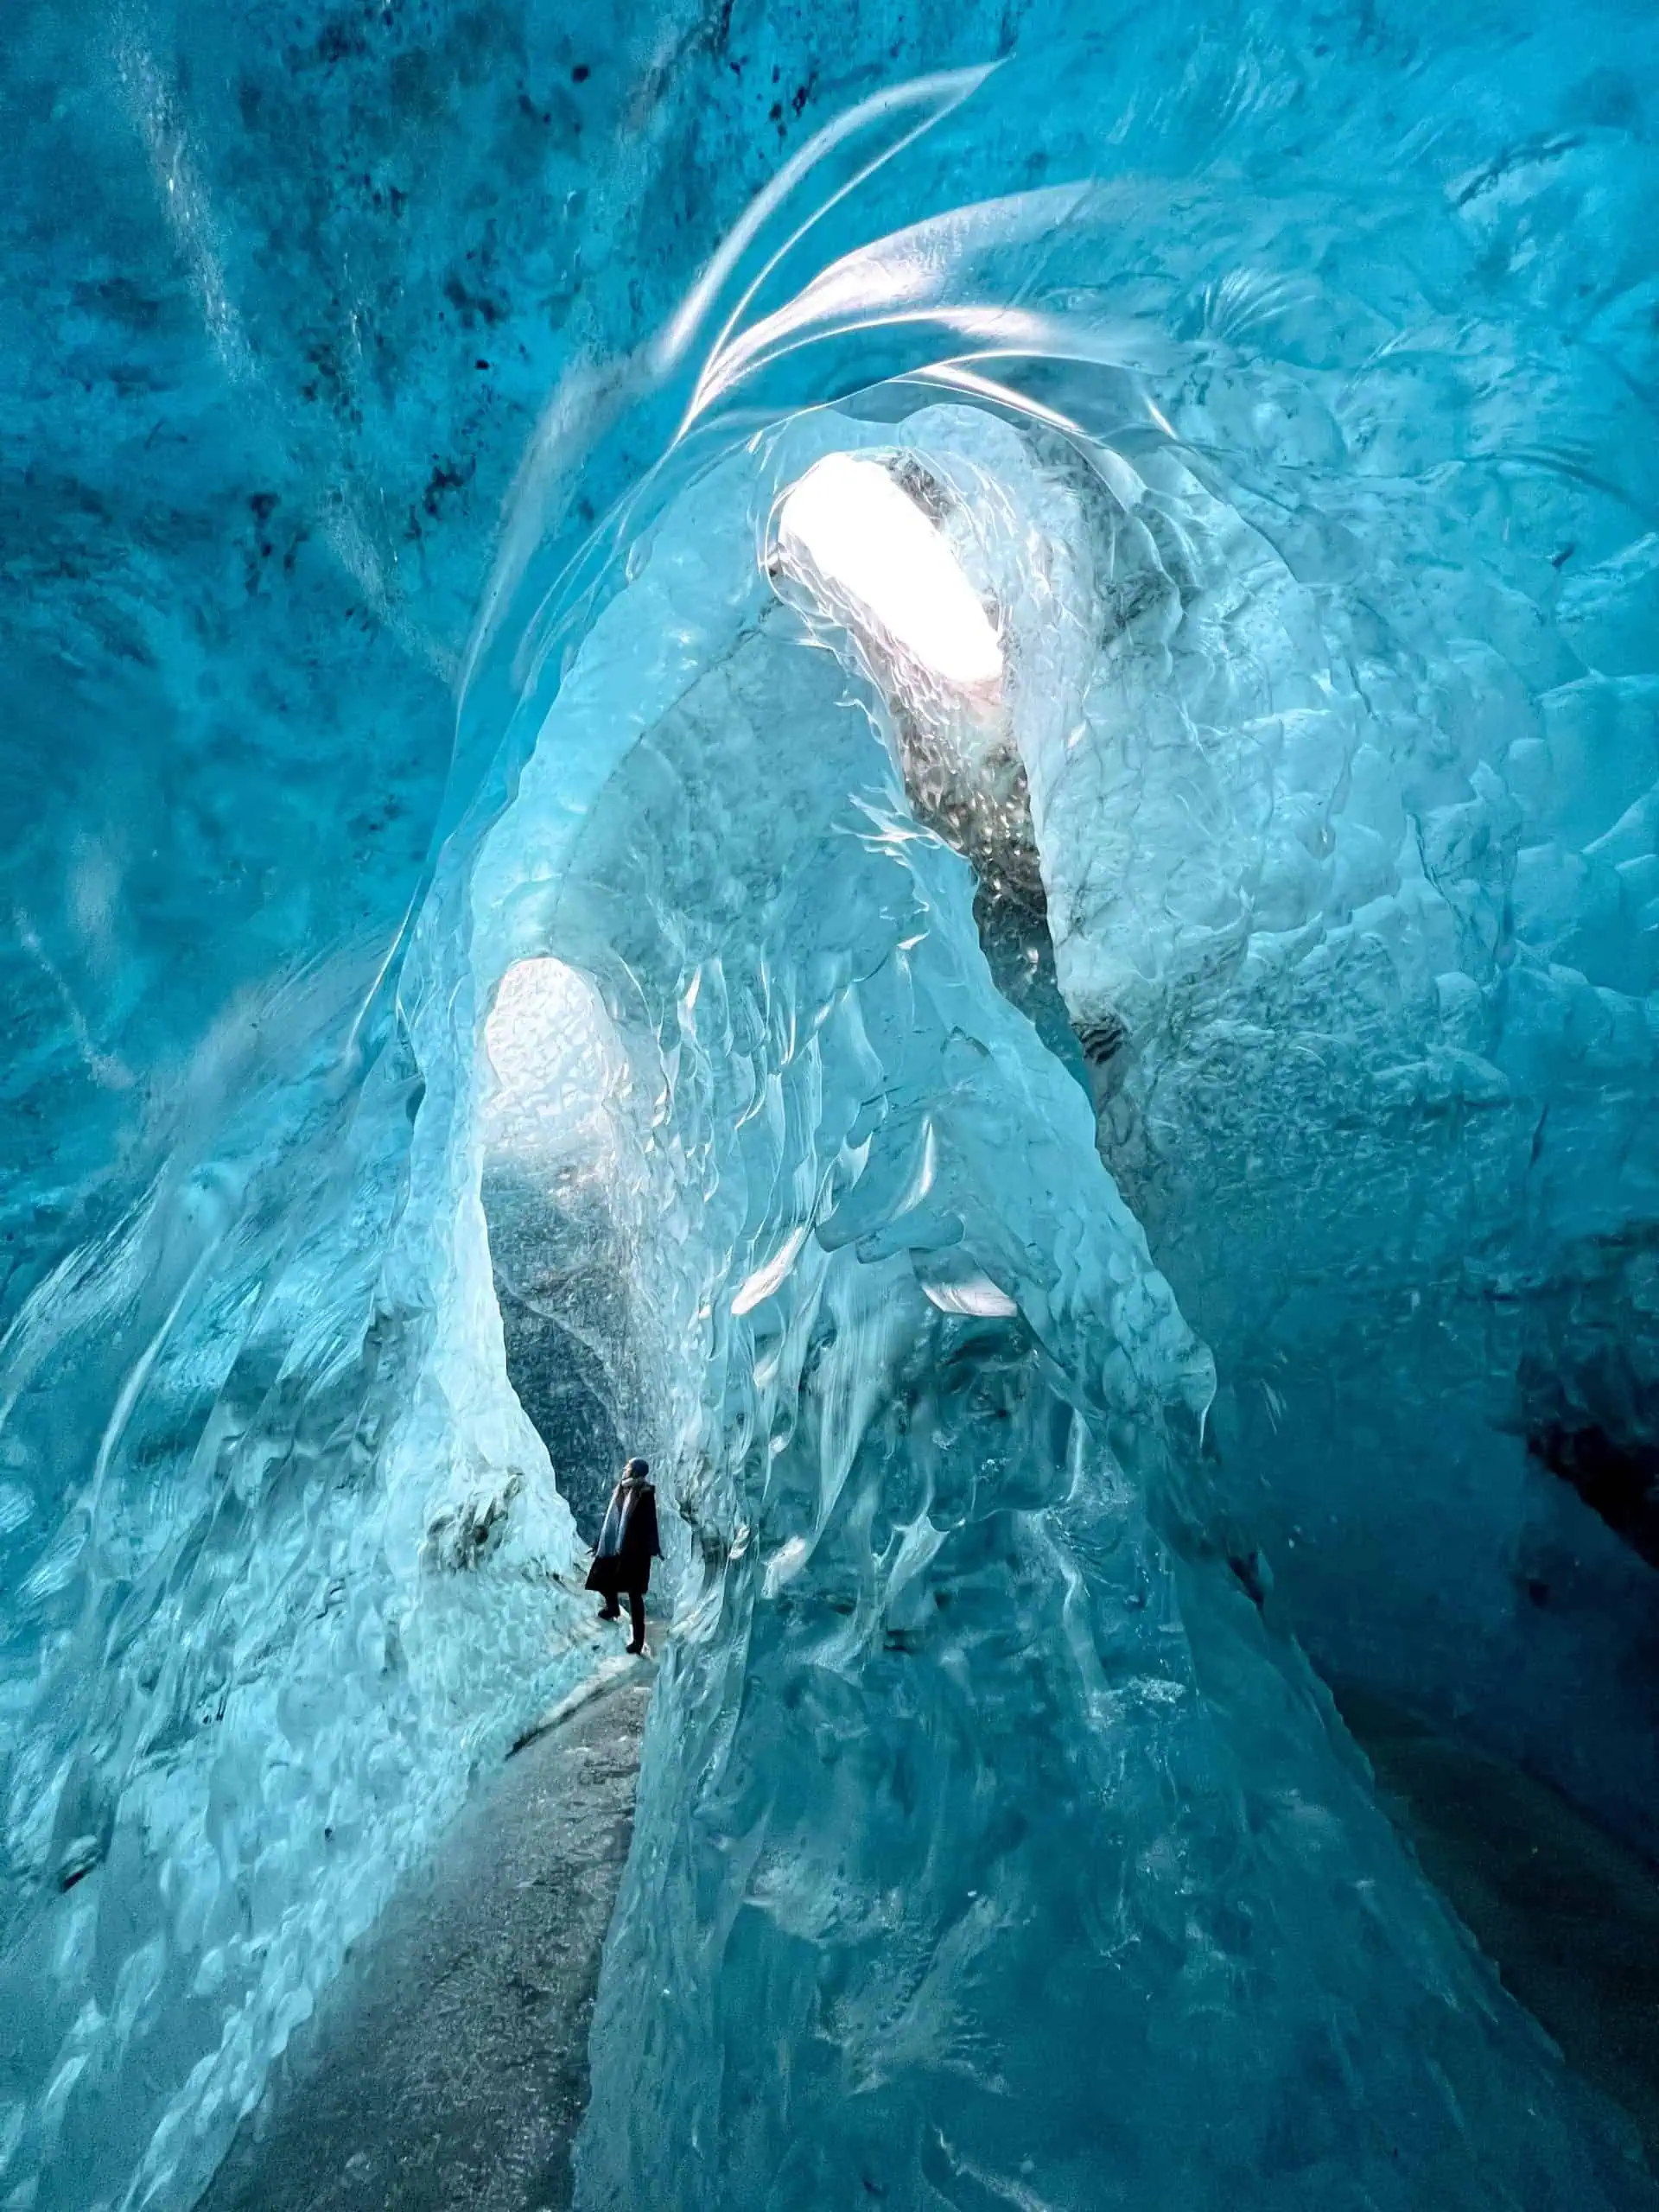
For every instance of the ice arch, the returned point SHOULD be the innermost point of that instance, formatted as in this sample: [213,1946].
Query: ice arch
[1372,575]
[908,1796]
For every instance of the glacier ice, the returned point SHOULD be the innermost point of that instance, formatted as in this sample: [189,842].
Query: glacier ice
[1283,384]
[561,1226]
[907,1809]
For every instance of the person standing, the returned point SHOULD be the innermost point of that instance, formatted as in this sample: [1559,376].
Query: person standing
[628,1544]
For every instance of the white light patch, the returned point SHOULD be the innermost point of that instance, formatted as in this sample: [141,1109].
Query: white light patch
[762,1283]
[558,1067]
[870,539]
[974,1294]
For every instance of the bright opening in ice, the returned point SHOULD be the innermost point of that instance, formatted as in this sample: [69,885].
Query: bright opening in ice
[864,534]
[556,1066]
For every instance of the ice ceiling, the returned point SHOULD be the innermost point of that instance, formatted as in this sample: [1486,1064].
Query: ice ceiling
[1098,1173]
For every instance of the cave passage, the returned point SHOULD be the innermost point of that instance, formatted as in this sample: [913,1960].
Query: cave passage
[912,762]
[554,1199]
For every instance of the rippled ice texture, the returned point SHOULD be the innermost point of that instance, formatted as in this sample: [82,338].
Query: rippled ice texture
[995,1846]
[990,1847]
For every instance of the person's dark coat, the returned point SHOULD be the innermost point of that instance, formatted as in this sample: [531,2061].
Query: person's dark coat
[628,1542]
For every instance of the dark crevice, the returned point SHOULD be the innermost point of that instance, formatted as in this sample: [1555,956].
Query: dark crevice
[1617,1479]
[1014,936]
[1589,1390]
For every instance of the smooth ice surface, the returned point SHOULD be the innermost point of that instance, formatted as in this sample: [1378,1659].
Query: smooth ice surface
[1284,381]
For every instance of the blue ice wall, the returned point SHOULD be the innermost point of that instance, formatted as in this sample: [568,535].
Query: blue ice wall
[1347,838]
[989,1842]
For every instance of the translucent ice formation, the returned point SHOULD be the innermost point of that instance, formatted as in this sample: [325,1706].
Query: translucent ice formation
[850,524]
[1280,385]
[976,1787]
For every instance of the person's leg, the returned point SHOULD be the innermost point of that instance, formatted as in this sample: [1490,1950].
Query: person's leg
[637,1616]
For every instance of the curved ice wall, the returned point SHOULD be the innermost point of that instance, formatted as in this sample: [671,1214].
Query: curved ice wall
[1327,343]
[991,1847]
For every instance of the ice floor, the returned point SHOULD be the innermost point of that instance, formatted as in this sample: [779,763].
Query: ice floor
[449,2068]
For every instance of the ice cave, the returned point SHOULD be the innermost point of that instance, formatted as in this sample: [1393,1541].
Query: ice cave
[911,754]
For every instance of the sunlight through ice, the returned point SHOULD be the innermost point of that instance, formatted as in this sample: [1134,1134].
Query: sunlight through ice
[861,532]
[556,1068]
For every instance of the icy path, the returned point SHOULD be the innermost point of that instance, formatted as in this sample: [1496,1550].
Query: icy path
[453,2069]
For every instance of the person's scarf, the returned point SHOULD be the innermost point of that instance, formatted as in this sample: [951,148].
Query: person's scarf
[624,1498]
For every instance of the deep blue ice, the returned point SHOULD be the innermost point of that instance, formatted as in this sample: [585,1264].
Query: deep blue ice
[1110,1204]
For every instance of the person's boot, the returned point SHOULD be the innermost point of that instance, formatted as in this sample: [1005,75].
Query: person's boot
[610,1613]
